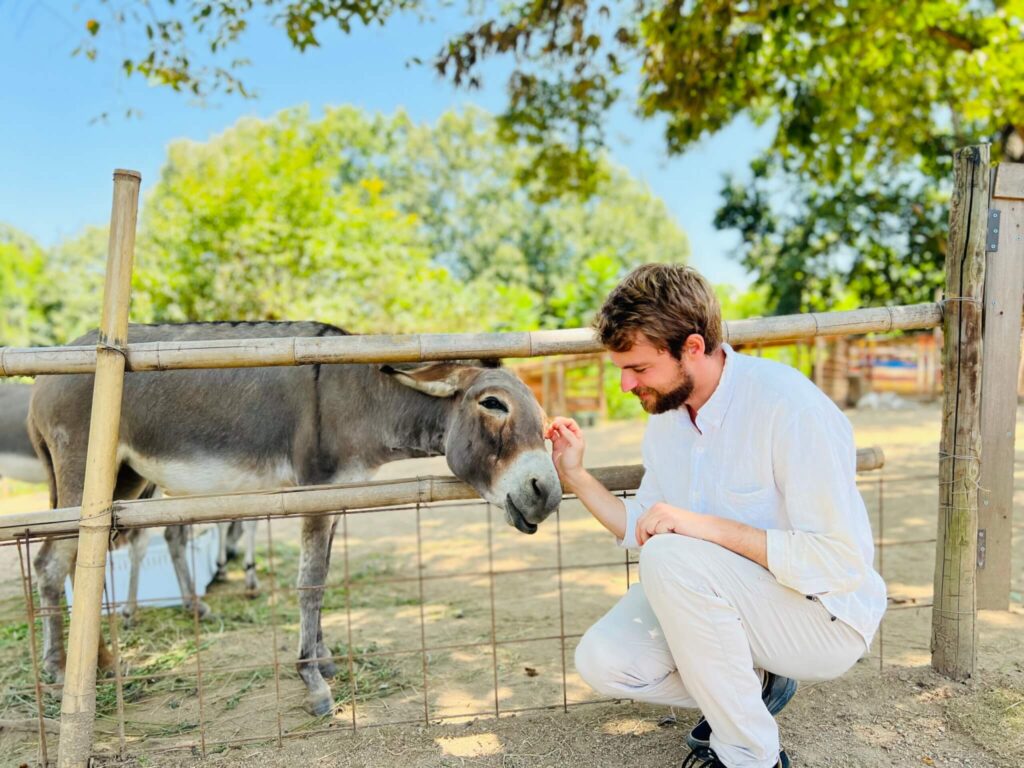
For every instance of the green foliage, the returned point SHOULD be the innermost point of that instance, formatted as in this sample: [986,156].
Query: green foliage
[882,240]
[868,100]
[382,225]
[22,281]
[374,223]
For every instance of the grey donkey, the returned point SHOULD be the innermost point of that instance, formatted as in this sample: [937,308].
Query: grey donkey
[18,460]
[233,429]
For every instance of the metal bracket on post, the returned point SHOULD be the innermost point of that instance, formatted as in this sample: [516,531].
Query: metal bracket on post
[992,231]
[981,547]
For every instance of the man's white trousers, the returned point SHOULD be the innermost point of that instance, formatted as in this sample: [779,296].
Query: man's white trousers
[696,633]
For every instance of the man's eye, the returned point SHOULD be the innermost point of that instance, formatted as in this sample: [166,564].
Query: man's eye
[494,404]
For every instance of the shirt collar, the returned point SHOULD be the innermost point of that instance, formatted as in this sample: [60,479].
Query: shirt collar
[713,411]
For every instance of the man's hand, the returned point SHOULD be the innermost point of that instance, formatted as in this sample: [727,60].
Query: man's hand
[567,446]
[745,540]
[664,518]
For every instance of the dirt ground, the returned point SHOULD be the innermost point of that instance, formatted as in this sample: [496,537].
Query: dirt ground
[889,710]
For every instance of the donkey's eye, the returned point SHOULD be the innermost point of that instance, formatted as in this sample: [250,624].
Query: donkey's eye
[494,404]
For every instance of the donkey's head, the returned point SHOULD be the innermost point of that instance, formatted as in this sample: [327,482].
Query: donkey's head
[495,438]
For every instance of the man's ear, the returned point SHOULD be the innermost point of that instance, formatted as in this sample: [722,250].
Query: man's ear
[434,379]
[694,345]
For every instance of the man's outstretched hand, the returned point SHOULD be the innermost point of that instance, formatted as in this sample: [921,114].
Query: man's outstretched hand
[567,446]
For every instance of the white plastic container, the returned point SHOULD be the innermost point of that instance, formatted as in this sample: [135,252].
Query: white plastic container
[158,585]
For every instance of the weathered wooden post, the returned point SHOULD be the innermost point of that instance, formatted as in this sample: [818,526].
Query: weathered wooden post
[1004,289]
[78,706]
[954,631]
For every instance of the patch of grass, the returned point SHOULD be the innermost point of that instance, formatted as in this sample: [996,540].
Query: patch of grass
[163,640]
[371,677]
[256,680]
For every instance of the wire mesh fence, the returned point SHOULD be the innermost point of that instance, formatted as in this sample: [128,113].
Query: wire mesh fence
[432,613]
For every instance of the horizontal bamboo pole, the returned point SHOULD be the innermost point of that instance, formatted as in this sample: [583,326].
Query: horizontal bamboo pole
[246,353]
[291,502]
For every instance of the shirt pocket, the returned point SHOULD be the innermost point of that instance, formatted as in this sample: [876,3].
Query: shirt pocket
[757,508]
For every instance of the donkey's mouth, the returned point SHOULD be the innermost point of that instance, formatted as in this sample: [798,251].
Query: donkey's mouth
[516,517]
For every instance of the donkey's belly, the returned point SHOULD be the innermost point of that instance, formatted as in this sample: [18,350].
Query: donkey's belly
[184,476]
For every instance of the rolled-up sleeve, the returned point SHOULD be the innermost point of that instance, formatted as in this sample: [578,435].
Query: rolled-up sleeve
[815,462]
[647,495]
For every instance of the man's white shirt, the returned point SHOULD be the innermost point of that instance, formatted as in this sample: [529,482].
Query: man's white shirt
[769,449]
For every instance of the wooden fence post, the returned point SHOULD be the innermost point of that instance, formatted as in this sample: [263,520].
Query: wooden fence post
[78,706]
[954,611]
[1004,288]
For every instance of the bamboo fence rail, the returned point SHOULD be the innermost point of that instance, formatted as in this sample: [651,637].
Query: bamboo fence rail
[292,502]
[241,353]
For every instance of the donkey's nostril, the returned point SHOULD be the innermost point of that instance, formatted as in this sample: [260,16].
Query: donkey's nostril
[537,487]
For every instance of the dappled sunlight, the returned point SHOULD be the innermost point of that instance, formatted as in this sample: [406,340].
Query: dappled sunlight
[629,726]
[478,745]
[1012,619]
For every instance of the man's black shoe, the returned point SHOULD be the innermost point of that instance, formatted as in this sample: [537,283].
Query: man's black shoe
[775,693]
[706,758]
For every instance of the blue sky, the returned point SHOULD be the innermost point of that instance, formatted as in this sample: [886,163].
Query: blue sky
[56,162]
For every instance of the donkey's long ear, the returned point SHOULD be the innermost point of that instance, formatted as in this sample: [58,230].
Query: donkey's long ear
[434,379]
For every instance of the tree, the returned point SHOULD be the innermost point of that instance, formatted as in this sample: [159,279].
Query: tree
[382,224]
[22,313]
[868,98]
[374,223]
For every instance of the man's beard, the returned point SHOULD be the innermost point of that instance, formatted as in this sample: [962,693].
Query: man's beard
[666,401]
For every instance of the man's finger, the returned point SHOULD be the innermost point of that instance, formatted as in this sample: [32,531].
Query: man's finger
[566,433]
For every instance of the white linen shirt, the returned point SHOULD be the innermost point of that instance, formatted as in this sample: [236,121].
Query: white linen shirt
[769,449]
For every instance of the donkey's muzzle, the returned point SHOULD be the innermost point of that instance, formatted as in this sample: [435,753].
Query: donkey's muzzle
[517,518]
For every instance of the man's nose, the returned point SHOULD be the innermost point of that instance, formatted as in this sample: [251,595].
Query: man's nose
[627,381]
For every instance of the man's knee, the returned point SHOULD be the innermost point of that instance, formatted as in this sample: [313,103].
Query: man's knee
[597,659]
[671,556]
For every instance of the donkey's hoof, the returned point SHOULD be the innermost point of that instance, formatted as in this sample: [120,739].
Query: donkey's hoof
[200,608]
[320,704]
[127,616]
[221,574]
[55,673]
[252,584]
[328,668]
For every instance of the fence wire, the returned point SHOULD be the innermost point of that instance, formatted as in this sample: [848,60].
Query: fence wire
[412,638]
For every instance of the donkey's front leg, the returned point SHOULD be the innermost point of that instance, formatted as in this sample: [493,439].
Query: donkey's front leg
[316,543]
[327,666]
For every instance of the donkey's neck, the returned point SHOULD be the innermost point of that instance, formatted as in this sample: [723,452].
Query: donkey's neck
[368,416]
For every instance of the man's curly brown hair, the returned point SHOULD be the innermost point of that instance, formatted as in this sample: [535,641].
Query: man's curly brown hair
[664,303]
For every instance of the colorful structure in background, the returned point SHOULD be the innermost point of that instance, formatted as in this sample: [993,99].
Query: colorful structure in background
[908,365]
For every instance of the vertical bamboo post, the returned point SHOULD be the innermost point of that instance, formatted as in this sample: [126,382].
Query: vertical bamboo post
[1004,287]
[78,706]
[954,630]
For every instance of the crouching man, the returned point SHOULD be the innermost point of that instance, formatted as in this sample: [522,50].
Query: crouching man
[755,547]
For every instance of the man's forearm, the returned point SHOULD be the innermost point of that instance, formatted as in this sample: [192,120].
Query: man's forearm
[608,510]
[743,539]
